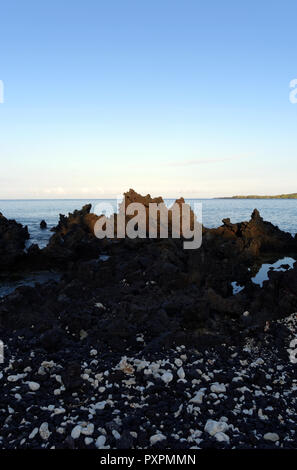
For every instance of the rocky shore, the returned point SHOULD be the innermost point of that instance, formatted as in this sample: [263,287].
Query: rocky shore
[144,344]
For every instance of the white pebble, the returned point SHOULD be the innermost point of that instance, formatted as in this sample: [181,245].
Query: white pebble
[15,378]
[116,434]
[271,436]
[178,362]
[44,431]
[181,373]
[213,427]
[157,438]
[33,433]
[100,305]
[87,429]
[218,388]
[198,398]
[33,386]
[100,442]
[222,437]
[100,405]
[167,377]
[88,440]
[75,433]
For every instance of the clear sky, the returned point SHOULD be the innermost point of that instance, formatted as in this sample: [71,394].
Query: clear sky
[169,97]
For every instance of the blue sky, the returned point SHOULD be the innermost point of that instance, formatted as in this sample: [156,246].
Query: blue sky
[168,97]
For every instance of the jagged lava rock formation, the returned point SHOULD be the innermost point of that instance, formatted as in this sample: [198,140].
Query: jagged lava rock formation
[13,237]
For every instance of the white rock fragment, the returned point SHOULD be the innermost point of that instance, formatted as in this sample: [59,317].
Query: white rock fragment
[83,334]
[262,415]
[59,411]
[218,388]
[178,362]
[47,364]
[87,429]
[125,367]
[100,405]
[33,433]
[271,436]
[33,386]
[224,418]
[88,440]
[75,433]
[198,398]
[116,434]
[100,442]
[44,431]
[181,373]
[157,438]
[15,378]
[100,305]
[178,412]
[167,377]
[213,427]
[222,437]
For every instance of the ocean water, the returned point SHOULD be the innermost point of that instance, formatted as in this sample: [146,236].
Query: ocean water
[281,212]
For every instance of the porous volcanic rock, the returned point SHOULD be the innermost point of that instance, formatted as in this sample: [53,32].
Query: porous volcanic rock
[252,239]
[112,288]
[43,225]
[73,238]
[137,329]
[132,197]
[13,237]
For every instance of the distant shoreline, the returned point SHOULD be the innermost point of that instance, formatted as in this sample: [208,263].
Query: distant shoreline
[280,196]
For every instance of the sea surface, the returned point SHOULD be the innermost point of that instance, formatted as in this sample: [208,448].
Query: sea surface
[281,212]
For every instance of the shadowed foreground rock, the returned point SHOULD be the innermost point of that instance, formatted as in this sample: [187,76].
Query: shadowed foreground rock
[173,295]
[142,335]
[13,237]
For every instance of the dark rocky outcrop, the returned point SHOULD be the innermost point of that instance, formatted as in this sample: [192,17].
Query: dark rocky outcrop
[250,239]
[73,239]
[152,285]
[132,197]
[13,237]
[43,225]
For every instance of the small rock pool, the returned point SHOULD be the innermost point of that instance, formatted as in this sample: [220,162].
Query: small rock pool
[283,264]
[30,279]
